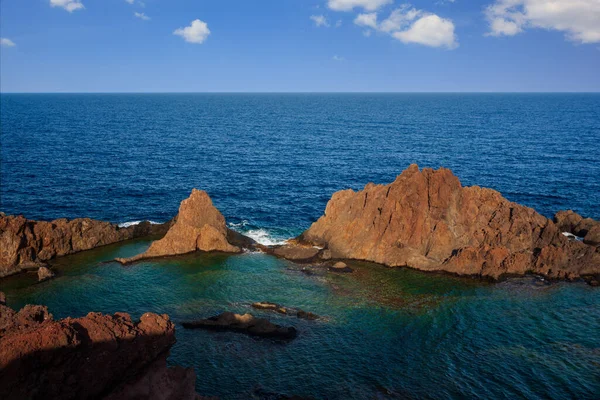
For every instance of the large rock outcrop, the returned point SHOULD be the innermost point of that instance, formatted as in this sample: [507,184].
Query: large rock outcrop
[92,357]
[27,244]
[199,226]
[427,220]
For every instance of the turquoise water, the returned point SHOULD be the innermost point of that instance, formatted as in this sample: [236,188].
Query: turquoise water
[384,333]
[270,162]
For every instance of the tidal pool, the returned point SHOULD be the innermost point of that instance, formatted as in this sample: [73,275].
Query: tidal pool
[384,333]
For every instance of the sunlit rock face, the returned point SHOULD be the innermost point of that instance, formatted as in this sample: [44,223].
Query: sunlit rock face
[427,220]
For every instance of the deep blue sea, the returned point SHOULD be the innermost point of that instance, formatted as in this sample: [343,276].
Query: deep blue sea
[270,162]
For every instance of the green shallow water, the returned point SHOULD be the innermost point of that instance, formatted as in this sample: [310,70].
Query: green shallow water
[385,333]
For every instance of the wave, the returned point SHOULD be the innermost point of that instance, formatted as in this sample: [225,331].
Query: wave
[131,223]
[570,236]
[264,237]
[260,235]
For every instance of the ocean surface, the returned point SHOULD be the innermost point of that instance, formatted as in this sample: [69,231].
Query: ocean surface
[270,162]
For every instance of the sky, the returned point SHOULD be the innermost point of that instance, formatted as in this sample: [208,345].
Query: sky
[299,46]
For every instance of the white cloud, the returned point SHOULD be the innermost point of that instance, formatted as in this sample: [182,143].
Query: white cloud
[410,25]
[369,20]
[338,58]
[5,42]
[349,5]
[69,5]
[319,20]
[429,30]
[338,23]
[141,16]
[130,1]
[578,19]
[197,32]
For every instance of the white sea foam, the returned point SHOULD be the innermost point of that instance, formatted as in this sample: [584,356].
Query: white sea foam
[131,223]
[571,236]
[263,236]
[260,235]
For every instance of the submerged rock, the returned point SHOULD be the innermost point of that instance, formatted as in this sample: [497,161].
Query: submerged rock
[96,356]
[44,273]
[265,305]
[27,244]
[246,323]
[427,220]
[199,226]
[340,267]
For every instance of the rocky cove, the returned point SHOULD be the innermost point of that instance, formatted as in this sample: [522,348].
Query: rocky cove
[424,220]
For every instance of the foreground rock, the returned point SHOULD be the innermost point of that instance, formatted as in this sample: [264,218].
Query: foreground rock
[246,323]
[427,220]
[27,244]
[586,228]
[265,305]
[199,226]
[91,357]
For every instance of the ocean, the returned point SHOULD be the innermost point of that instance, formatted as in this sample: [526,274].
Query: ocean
[270,162]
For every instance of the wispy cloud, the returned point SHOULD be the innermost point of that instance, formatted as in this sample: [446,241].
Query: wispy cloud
[196,33]
[141,16]
[69,5]
[5,42]
[338,58]
[319,20]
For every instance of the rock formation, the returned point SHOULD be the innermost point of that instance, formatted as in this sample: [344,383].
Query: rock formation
[27,244]
[44,273]
[246,323]
[95,356]
[586,228]
[199,226]
[427,220]
[340,267]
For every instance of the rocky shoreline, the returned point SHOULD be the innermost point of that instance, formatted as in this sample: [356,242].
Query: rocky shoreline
[424,220]
[28,245]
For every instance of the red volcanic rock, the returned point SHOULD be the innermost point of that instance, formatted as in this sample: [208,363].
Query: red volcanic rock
[28,244]
[427,220]
[586,228]
[86,358]
[199,226]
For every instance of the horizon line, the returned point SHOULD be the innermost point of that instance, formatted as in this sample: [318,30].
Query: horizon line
[311,92]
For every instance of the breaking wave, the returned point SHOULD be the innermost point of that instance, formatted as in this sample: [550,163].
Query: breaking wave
[131,223]
[260,235]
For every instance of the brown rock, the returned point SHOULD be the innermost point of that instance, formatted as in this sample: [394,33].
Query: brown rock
[566,221]
[340,267]
[44,273]
[28,244]
[199,226]
[86,358]
[245,323]
[427,220]
[593,236]
[2,298]
[573,223]
[295,251]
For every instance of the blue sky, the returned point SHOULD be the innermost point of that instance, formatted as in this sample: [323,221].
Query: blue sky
[299,45]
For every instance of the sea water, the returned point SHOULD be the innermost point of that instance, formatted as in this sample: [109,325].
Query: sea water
[270,162]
